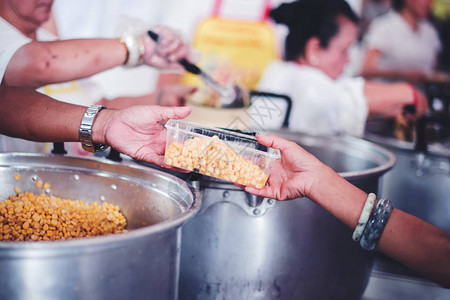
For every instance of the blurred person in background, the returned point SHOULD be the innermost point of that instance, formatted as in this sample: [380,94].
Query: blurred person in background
[316,51]
[30,56]
[402,44]
[441,17]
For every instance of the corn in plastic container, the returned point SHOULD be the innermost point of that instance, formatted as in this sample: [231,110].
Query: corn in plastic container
[224,154]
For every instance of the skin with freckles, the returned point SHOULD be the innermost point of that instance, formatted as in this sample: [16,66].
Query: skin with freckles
[40,63]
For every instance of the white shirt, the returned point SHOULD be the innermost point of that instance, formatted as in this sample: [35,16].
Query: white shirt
[321,105]
[81,92]
[11,39]
[111,19]
[401,47]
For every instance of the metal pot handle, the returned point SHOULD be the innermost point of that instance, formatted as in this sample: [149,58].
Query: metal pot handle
[58,148]
[254,206]
[114,155]
[273,95]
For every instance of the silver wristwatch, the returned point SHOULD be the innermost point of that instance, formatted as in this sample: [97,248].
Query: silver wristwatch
[85,132]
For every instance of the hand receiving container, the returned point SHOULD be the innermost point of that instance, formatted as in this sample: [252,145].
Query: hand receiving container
[224,154]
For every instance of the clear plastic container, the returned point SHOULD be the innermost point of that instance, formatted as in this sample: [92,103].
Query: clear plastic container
[225,154]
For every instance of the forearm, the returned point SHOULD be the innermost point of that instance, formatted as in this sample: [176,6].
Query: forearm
[388,98]
[30,115]
[372,72]
[340,198]
[418,245]
[40,63]
[124,102]
[407,239]
[369,67]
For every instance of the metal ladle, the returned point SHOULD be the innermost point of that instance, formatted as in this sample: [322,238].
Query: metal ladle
[230,96]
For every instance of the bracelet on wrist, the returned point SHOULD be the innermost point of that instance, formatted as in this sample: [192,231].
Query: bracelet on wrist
[376,224]
[364,217]
[85,131]
[135,50]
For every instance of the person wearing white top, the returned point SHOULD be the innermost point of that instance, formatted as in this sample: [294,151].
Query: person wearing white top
[321,105]
[31,57]
[81,92]
[316,52]
[402,44]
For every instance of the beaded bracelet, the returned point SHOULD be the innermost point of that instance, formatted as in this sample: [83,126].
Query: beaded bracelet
[376,224]
[365,214]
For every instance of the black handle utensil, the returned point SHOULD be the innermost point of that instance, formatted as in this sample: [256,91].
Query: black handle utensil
[192,68]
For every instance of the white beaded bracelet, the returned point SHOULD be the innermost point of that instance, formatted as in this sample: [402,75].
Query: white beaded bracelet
[364,217]
[135,48]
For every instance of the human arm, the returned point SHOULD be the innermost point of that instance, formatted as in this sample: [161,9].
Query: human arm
[390,99]
[38,63]
[135,131]
[370,69]
[411,241]
[166,96]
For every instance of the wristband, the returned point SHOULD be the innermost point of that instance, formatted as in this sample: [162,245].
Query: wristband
[135,50]
[85,131]
[365,214]
[376,224]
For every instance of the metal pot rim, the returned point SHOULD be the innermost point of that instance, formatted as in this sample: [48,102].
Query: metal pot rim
[352,144]
[433,149]
[113,239]
[381,169]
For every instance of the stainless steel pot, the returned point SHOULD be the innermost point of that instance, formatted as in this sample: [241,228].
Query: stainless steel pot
[140,264]
[420,181]
[244,247]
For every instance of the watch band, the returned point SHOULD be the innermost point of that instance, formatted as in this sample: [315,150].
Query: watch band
[85,131]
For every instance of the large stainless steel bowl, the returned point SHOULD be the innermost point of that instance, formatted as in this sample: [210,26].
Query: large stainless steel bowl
[140,264]
[420,181]
[244,247]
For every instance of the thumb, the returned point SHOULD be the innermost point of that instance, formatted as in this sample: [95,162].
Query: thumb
[173,112]
[273,141]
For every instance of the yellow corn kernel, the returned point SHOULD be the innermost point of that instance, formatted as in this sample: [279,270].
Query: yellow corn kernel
[214,158]
[29,217]
[17,177]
